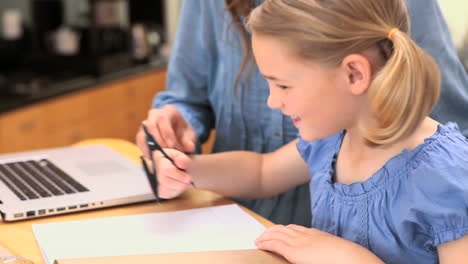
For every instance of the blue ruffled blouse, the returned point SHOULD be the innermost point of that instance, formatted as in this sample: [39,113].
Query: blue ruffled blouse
[416,201]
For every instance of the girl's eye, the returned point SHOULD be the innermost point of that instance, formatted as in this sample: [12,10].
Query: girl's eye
[284,87]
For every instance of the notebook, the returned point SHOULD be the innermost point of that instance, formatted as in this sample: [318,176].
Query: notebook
[63,180]
[216,228]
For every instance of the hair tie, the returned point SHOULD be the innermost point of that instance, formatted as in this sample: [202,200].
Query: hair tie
[390,34]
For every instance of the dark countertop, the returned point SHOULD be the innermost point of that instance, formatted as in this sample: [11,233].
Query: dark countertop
[12,102]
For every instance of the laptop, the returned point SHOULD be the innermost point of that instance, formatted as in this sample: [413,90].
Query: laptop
[71,179]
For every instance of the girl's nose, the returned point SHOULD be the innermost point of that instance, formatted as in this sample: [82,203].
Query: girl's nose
[274,101]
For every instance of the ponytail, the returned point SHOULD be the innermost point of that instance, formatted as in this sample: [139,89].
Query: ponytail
[403,92]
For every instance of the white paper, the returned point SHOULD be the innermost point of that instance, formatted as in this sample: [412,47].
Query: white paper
[225,227]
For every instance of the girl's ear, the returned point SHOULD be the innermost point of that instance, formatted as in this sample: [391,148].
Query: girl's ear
[358,72]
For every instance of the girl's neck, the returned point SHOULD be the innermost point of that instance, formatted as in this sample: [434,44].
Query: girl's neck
[357,161]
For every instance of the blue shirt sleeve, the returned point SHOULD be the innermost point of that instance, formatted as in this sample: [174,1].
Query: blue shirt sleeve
[319,154]
[436,199]
[189,68]
[430,31]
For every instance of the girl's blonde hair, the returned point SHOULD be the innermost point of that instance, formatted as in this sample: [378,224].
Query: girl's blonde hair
[403,91]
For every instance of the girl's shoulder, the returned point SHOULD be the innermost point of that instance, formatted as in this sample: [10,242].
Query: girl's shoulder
[445,154]
[434,195]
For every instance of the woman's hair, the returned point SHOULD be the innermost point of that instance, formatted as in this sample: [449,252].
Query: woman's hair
[239,9]
[402,92]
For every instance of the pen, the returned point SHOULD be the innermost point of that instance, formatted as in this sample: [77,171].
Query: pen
[152,146]
[151,178]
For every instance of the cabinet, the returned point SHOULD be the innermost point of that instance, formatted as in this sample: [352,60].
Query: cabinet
[114,109]
[22,129]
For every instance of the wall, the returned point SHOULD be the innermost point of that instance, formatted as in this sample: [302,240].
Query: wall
[172,18]
[456,13]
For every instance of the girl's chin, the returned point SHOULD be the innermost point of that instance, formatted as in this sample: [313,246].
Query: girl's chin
[309,135]
[306,136]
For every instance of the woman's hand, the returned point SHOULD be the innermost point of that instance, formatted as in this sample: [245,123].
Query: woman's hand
[169,129]
[300,244]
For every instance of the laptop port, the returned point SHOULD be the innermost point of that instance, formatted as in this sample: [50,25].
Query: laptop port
[30,213]
[72,207]
[18,215]
[41,212]
[60,209]
[51,210]
[83,205]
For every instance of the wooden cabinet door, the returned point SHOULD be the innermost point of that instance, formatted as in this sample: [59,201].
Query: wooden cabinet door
[105,99]
[142,92]
[65,111]
[69,135]
[150,85]
[22,129]
[110,125]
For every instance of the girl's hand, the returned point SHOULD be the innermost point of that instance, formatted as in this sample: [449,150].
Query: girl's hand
[300,244]
[172,181]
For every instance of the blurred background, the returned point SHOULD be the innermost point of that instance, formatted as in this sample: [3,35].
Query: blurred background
[104,35]
[456,13]
[78,69]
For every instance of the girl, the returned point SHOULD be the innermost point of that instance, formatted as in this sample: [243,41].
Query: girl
[388,184]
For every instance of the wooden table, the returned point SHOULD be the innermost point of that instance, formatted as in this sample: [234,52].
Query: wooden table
[18,237]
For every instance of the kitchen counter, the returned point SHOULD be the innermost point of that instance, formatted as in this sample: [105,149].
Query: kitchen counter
[12,102]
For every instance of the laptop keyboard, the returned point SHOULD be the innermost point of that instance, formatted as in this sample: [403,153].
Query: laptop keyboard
[34,179]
